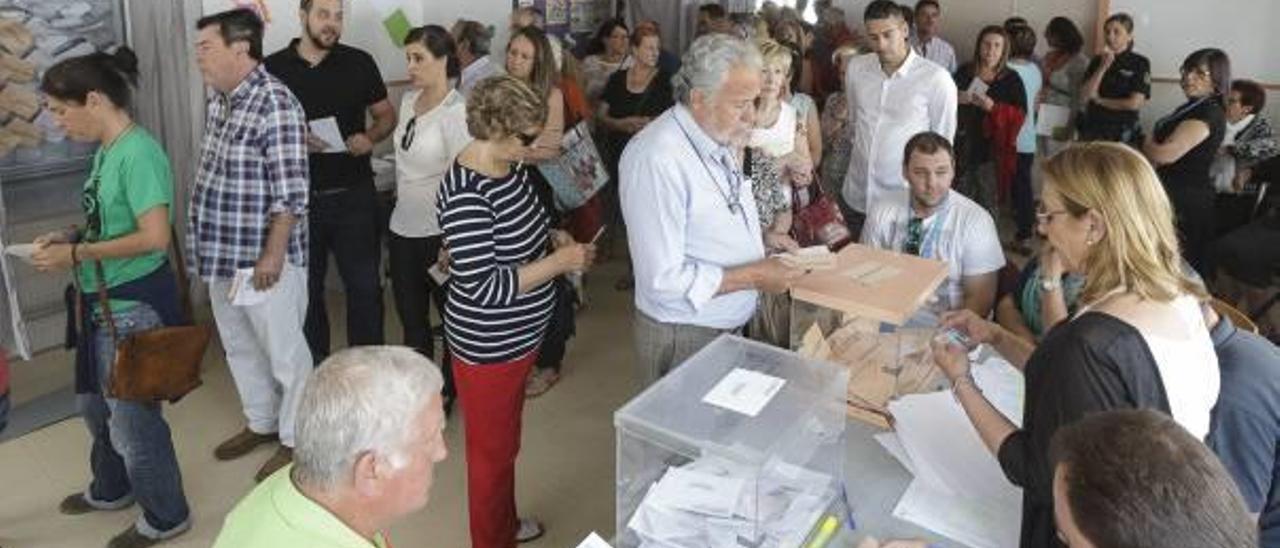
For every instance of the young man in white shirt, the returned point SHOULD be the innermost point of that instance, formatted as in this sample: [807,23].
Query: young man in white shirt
[926,41]
[941,224]
[893,94]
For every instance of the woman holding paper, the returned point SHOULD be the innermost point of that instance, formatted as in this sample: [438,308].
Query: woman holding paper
[1137,340]
[432,129]
[1064,68]
[500,295]
[122,249]
[993,105]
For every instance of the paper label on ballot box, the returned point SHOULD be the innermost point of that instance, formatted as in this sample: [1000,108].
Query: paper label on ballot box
[744,391]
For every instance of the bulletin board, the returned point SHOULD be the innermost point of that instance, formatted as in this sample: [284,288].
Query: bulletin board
[35,35]
[578,19]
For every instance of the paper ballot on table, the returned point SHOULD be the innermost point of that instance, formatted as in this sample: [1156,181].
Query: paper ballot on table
[21,251]
[594,541]
[972,522]
[946,450]
[326,129]
[698,492]
[744,391]
[242,292]
[1051,117]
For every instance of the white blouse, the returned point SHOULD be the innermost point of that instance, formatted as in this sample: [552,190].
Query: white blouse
[438,136]
[779,139]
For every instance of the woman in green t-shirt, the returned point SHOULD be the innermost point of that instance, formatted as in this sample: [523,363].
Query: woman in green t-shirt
[122,246]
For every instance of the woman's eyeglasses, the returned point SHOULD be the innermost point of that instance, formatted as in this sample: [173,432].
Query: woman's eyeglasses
[1045,217]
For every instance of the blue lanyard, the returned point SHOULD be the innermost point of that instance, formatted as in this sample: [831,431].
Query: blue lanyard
[733,198]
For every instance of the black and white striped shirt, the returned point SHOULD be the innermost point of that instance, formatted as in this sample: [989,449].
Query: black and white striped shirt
[491,228]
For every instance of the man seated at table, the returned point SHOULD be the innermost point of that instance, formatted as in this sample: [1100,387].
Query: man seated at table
[1136,478]
[941,224]
[370,432]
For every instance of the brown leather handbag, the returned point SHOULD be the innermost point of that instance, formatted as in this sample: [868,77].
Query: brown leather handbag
[159,364]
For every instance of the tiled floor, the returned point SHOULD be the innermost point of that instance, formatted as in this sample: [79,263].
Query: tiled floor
[565,472]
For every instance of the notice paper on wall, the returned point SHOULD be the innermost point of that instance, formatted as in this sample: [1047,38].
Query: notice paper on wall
[744,391]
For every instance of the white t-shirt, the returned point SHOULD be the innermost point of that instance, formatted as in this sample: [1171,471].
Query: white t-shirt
[438,136]
[967,241]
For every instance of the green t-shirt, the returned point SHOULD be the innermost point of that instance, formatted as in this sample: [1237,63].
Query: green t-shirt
[129,177]
[276,514]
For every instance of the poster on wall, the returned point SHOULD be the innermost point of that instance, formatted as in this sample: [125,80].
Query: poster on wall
[576,19]
[35,35]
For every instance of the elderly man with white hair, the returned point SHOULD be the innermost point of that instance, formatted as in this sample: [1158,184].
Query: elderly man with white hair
[695,238]
[369,433]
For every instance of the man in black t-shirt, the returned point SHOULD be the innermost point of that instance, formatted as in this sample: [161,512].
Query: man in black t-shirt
[1245,426]
[337,86]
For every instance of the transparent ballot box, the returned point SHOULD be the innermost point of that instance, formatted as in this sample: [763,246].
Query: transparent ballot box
[874,314]
[742,445]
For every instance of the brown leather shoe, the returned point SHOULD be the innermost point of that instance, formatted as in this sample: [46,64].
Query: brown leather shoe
[282,458]
[76,504]
[241,444]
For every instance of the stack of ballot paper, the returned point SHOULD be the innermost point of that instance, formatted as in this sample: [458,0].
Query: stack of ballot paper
[717,503]
[959,489]
[881,366]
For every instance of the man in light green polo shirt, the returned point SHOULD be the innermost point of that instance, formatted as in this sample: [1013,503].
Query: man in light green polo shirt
[369,433]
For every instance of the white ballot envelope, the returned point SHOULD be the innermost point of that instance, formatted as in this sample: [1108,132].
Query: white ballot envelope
[326,129]
[242,291]
[21,251]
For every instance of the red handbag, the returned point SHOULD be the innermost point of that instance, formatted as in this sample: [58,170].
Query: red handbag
[816,219]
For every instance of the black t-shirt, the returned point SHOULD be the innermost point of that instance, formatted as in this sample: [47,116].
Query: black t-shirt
[654,100]
[1092,363]
[344,85]
[1191,171]
[1245,428]
[1130,73]
[975,145]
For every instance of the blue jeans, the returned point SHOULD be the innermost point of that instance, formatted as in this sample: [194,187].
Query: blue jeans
[132,457]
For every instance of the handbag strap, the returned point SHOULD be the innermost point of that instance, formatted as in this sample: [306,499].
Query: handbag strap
[180,271]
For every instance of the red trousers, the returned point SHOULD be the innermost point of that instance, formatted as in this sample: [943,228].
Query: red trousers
[492,397]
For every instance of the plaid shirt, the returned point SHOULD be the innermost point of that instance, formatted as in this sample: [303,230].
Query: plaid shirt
[253,164]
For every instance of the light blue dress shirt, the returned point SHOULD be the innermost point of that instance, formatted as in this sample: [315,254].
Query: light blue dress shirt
[690,216]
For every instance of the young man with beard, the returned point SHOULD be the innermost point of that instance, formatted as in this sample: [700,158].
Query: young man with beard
[333,80]
[941,224]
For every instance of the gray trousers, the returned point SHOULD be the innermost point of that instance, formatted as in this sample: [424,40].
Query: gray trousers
[660,347]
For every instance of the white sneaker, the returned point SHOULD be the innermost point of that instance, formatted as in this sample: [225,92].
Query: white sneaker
[530,530]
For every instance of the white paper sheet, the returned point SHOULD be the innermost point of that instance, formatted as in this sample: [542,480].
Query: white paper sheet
[326,129]
[891,444]
[21,251]
[438,275]
[1003,385]
[744,391]
[594,541]
[242,291]
[978,87]
[1051,117]
[945,448]
[697,492]
[963,519]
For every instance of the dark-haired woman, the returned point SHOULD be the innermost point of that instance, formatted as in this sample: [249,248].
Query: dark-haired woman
[1183,145]
[1064,69]
[121,247]
[431,131]
[1117,84]
[611,53]
[993,105]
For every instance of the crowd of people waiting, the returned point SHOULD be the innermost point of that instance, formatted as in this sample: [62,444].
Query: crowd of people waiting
[717,159]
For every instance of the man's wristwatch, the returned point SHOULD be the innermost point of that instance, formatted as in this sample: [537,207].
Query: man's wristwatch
[1049,285]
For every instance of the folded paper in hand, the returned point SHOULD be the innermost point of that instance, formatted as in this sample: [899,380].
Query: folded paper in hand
[326,129]
[243,293]
[21,251]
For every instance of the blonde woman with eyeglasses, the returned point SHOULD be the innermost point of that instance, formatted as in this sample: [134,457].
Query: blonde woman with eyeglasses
[1137,341]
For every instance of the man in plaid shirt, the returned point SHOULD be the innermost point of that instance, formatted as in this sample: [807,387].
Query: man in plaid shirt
[248,228]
